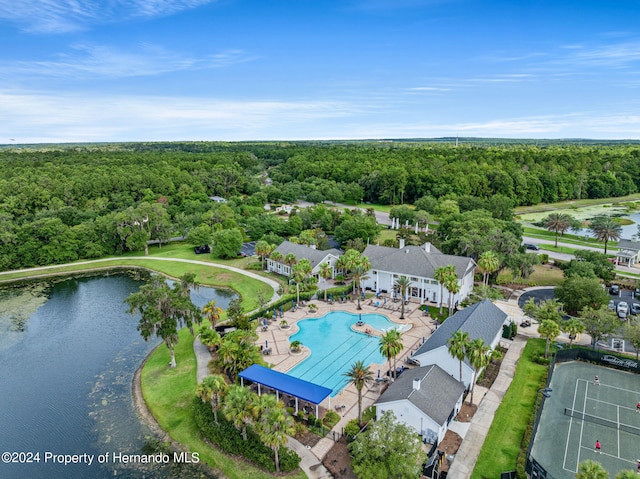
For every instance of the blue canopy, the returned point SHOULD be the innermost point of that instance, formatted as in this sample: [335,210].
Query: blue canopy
[282,382]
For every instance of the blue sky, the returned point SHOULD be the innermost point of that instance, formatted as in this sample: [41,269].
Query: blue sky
[168,70]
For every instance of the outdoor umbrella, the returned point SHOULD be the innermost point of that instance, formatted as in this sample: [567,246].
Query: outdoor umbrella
[275,315]
[293,304]
[264,322]
[363,295]
[280,310]
[266,344]
[331,297]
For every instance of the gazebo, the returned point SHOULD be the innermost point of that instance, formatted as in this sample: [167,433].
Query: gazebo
[281,382]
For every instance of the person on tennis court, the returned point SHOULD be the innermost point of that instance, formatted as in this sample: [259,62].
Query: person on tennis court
[638,407]
[596,380]
[598,446]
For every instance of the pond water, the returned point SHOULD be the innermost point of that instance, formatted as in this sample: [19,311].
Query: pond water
[68,352]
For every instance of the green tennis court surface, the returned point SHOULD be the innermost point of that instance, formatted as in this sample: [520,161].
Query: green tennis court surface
[580,412]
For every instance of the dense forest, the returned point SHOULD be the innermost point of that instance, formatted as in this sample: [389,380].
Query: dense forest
[67,202]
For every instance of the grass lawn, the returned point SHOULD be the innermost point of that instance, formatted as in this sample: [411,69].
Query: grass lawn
[575,204]
[543,275]
[503,442]
[169,394]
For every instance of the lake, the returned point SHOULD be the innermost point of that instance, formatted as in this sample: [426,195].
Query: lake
[68,353]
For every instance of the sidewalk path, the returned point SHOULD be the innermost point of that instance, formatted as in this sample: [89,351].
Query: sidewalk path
[467,455]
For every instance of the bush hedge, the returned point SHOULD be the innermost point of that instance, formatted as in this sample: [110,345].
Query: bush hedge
[229,439]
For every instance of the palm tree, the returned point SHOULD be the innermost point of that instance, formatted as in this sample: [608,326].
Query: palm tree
[458,344]
[359,375]
[390,346]
[440,275]
[402,284]
[238,407]
[290,260]
[300,272]
[212,312]
[558,222]
[276,256]
[325,273]
[627,474]
[358,274]
[209,337]
[591,470]
[488,263]
[478,355]
[452,285]
[573,327]
[274,425]
[605,228]
[212,389]
[548,329]
[263,249]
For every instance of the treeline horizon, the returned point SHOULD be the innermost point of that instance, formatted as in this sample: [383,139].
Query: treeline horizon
[63,203]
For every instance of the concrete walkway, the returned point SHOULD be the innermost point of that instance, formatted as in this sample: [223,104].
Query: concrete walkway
[467,455]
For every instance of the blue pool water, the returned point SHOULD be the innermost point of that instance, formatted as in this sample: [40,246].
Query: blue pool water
[335,347]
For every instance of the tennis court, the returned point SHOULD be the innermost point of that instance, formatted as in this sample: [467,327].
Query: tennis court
[580,412]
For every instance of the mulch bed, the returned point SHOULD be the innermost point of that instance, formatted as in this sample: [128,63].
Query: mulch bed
[338,462]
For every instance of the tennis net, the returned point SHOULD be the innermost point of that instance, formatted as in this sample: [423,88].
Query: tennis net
[602,421]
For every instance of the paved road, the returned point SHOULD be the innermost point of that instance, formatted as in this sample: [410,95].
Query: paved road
[569,257]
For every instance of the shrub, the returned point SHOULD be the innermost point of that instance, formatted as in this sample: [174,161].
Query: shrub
[544,258]
[311,419]
[229,439]
[350,430]
[331,418]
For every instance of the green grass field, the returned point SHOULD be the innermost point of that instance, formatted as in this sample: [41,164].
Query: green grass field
[502,445]
[543,275]
[169,394]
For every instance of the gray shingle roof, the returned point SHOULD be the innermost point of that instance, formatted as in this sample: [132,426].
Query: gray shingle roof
[415,261]
[315,256]
[481,320]
[436,397]
[629,244]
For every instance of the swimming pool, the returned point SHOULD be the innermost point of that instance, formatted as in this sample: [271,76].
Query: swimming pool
[335,347]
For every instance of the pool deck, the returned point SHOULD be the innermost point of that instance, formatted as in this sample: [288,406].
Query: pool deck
[282,359]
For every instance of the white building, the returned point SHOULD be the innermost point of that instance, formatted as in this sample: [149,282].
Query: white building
[419,264]
[315,256]
[425,398]
[628,252]
[481,320]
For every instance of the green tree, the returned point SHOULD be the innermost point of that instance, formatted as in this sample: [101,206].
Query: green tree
[602,267]
[577,293]
[200,235]
[212,312]
[488,263]
[212,389]
[300,272]
[632,334]
[238,407]
[479,358]
[227,244]
[599,323]
[209,337]
[605,228]
[559,223]
[163,310]
[591,470]
[549,330]
[387,449]
[358,226]
[458,344]
[263,249]
[359,375]
[274,425]
[452,285]
[627,474]
[325,273]
[440,275]
[290,260]
[572,327]
[390,346]
[547,309]
[402,285]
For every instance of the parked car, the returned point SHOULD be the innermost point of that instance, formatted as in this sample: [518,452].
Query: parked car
[622,315]
[531,246]
[635,309]
[622,307]
[612,305]
[636,293]
[614,289]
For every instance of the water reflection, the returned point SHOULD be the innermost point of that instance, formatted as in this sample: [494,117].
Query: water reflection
[68,352]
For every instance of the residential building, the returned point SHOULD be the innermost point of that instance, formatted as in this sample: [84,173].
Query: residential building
[482,320]
[628,252]
[425,398]
[315,256]
[419,264]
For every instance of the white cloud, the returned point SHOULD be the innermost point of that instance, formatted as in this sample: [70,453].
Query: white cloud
[60,16]
[89,60]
